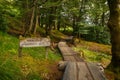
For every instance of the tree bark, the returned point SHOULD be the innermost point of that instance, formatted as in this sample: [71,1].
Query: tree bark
[114,25]
[74,25]
[58,25]
[32,17]
[36,21]
[103,19]
[31,21]
[36,24]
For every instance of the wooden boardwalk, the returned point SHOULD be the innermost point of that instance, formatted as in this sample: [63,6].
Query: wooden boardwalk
[76,68]
[67,53]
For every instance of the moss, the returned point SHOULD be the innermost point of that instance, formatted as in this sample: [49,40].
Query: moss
[56,35]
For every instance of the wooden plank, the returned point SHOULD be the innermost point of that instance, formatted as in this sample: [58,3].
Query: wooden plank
[65,58]
[70,71]
[62,44]
[83,72]
[72,58]
[78,58]
[77,71]
[67,53]
[69,58]
[95,71]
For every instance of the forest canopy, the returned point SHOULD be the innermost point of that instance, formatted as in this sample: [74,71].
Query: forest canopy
[83,18]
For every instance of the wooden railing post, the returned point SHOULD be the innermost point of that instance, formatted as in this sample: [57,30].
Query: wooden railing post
[46,54]
[20,52]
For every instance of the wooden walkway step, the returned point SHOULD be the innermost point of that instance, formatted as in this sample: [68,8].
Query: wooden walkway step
[76,68]
[82,71]
[67,53]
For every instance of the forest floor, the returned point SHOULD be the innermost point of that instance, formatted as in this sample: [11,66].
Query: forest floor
[95,53]
[92,52]
[31,66]
[34,66]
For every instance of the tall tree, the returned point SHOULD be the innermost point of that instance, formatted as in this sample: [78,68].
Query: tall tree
[114,25]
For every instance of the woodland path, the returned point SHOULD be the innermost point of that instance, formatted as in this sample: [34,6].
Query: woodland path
[67,53]
[76,68]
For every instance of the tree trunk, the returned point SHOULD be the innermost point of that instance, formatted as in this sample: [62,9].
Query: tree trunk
[36,21]
[114,25]
[39,18]
[46,29]
[58,25]
[103,19]
[31,21]
[74,25]
[36,24]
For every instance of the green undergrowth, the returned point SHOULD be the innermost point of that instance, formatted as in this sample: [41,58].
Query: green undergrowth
[94,52]
[57,36]
[31,66]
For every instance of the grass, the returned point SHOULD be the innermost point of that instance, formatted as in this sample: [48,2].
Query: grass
[57,36]
[94,52]
[98,53]
[31,66]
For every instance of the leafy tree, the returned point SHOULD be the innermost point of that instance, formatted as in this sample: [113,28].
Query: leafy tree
[3,23]
[8,15]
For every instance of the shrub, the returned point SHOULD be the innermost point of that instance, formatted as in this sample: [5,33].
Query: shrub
[3,22]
